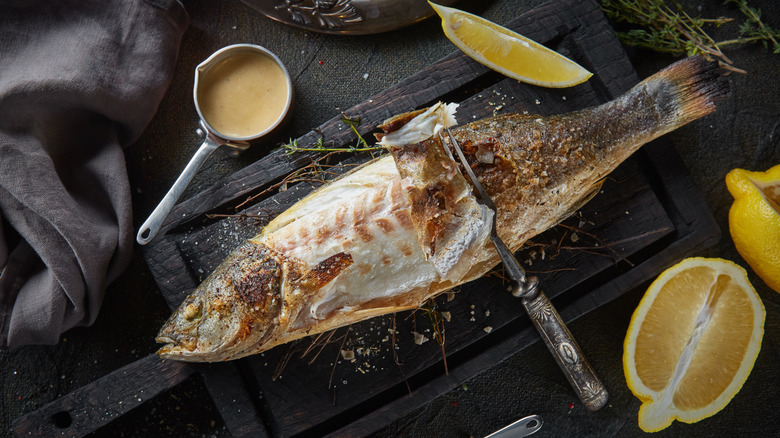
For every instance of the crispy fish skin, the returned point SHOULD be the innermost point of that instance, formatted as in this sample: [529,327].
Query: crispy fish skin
[362,245]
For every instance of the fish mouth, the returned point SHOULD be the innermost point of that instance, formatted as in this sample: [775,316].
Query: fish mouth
[169,349]
[164,339]
[176,350]
[165,351]
[167,340]
[177,344]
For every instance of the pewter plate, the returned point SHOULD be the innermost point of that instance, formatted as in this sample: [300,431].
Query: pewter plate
[346,17]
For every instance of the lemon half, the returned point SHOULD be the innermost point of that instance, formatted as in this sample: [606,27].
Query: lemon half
[508,52]
[754,220]
[692,341]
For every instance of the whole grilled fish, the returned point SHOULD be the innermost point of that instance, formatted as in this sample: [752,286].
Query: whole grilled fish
[406,227]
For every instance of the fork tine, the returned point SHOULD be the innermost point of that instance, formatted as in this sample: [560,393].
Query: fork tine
[482,195]
[514,270]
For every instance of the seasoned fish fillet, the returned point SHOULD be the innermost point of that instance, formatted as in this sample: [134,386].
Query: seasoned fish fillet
[406,227]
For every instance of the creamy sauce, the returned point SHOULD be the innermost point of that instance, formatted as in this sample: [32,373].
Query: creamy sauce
[242,95]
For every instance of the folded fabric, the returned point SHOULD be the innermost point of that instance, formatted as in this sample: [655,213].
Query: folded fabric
[79,81]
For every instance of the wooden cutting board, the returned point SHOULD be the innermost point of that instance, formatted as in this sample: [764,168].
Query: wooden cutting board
[648,215]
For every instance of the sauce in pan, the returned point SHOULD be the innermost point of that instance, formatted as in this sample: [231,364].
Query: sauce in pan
[243,95]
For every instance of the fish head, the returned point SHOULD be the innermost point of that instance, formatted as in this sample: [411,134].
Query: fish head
[230,315]
[205,327]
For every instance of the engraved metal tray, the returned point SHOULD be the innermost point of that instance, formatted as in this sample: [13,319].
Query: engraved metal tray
[353,17]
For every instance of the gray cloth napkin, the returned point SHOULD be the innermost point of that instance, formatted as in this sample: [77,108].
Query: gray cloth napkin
[79,80]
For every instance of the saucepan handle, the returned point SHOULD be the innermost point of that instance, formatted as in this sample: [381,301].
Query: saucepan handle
[564,348]
[152,226]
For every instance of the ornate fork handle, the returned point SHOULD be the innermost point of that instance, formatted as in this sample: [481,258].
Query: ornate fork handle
[562,345]
[554,332]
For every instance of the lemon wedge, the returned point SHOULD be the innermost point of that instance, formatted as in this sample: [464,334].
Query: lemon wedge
[754,220]
[508,52]
[692,341]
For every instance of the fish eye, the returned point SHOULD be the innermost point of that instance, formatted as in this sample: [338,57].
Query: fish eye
[193,310]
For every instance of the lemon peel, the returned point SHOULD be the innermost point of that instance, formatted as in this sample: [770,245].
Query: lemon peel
[754,220]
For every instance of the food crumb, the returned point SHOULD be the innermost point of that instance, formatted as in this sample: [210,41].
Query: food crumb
[419,338]
[488,329]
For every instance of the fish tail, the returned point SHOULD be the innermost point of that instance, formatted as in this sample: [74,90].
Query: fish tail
[686,90]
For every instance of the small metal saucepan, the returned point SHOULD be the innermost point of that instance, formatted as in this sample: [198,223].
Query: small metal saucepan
[233,141]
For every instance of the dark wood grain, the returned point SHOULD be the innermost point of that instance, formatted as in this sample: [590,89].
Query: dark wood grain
[238,409]
[109,397]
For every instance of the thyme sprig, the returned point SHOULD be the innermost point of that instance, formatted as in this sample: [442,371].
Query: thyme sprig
[360,144]
[670,29]
[753,29]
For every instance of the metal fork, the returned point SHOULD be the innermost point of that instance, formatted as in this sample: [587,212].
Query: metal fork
[545,318]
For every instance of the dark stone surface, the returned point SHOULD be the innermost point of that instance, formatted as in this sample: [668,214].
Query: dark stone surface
[745,132]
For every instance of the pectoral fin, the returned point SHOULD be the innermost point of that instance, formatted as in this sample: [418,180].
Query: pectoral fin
[325,271]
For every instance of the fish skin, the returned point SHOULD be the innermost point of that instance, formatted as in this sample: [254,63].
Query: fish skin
[355,248]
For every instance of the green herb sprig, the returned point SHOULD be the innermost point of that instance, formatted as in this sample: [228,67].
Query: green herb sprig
[753,29]
[670,29]
[360,144]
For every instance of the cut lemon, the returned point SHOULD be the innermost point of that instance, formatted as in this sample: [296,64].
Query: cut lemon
[692,341]
[508,52]
[754,220]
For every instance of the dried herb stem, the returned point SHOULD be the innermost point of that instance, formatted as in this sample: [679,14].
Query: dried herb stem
[670,29]
[314,172]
